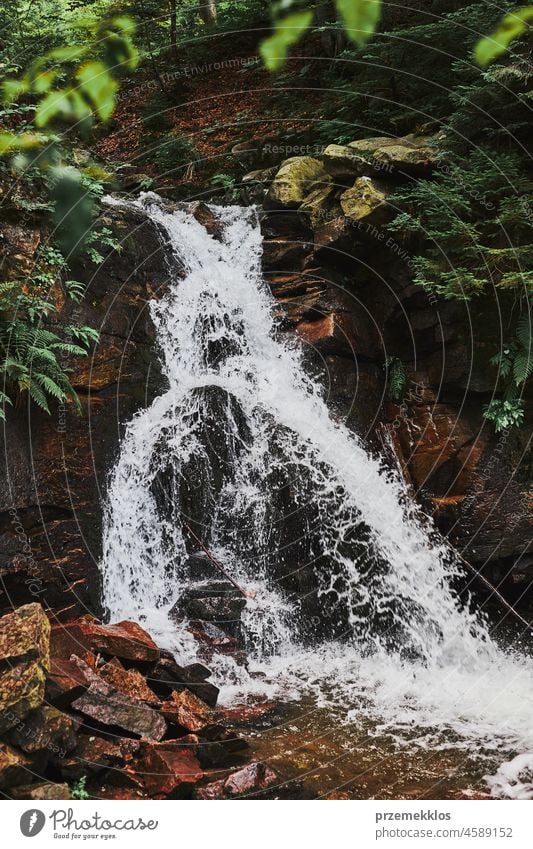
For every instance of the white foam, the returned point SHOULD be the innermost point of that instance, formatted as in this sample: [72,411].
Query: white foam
[458,686]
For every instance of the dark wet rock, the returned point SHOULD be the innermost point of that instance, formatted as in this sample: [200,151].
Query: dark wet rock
[65,682]
[46,728]
[192,489]
[108,706]
[15,766]
[167,676]
[211,601]
[220,747]
[60,524]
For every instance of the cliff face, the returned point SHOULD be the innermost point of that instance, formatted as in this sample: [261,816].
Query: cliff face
[54,473]
[344,285]
[345,288]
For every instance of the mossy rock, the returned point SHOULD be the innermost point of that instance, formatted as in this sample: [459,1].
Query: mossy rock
[366,201]
[295,180]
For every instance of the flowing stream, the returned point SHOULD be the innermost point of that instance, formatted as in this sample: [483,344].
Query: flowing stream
[354,605]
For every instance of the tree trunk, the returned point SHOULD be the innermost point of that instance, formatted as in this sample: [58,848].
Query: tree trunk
[331,40]
[207,9]
[173,30]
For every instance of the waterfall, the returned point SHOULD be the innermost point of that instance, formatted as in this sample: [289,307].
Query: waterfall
[354,600]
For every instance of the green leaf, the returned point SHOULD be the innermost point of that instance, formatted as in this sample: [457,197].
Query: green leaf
[360,18]
[13,89]
[73,209]
[19,141]
[511,26]
[287,32]
[56,104]
[99,87]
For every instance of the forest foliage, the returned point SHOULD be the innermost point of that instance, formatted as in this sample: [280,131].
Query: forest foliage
[61,67]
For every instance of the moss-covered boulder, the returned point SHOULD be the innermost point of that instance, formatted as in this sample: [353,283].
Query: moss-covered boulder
[403,159]
[319,206]
[344,163]
[295,180]
[24,659]
[366,201]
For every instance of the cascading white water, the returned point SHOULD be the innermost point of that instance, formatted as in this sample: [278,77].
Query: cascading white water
[243,442]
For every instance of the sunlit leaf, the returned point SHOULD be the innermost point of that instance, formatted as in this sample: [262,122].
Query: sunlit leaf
[98,85]
[19,141]
[12,89]
[510,27]
[287,32]
[56,104]
[360,18]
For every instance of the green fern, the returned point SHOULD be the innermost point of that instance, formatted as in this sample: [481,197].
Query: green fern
[515,365]
[29,352]
[397,378]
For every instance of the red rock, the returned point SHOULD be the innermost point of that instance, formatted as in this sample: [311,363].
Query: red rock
[25,635]
[220,747]
[128,681]
[165,767]
[125,640]
[108,706]
[64,683]
[249,781]
[187,710]
[24,654]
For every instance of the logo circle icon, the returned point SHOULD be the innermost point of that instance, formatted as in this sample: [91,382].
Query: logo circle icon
[32,822]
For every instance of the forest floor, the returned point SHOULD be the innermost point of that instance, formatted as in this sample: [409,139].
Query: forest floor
[212,103]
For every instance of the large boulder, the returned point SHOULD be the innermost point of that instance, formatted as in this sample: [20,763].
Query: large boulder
[25,635]
[24,659]
[296,178]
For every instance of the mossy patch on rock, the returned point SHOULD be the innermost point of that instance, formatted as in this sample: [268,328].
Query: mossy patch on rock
[296,179]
